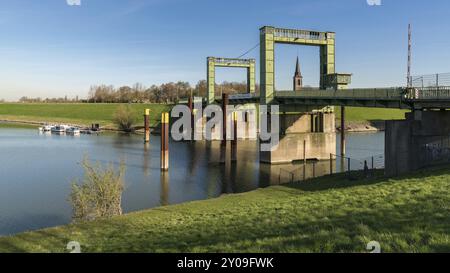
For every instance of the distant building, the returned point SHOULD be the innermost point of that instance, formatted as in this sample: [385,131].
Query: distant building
[298,78]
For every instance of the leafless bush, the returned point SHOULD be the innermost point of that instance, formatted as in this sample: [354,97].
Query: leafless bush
[99,195]
[125,117]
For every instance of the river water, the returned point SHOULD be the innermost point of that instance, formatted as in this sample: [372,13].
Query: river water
[36,171]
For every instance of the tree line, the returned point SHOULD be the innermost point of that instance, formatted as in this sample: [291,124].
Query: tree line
[165,93]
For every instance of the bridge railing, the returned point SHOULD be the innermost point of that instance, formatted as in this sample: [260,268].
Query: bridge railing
[430,80]
[358,93]
[391,93]
[428,93]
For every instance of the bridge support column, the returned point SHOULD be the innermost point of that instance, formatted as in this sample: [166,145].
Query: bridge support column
[422,139]
[247,123]
[313,131]
[223,143]
[234,141]
[191,111]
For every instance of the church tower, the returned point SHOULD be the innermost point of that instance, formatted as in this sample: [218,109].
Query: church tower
[298,78]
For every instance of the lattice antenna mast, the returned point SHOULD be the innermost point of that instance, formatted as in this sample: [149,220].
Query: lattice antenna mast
[409,79]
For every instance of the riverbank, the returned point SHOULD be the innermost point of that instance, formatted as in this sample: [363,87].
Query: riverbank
[362,126]
[328,214]
[362,119]
[77,114]
[358,119]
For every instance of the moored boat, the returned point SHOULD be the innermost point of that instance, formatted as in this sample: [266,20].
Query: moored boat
[59,129]
[73,131]
[46,128]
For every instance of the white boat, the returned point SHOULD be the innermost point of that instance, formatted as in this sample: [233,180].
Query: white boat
[45,128]
[59,129]
[73,131]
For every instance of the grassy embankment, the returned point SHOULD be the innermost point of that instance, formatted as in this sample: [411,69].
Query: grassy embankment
[86,114]
[328,214]
[370,114]
[361,118]
[73,113]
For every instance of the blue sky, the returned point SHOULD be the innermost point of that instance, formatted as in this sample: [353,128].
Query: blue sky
[51,49]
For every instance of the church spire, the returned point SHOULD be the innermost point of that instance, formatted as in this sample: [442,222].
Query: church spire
[297,69]
[298,78]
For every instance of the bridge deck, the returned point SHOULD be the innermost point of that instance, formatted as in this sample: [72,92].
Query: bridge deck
[396,97]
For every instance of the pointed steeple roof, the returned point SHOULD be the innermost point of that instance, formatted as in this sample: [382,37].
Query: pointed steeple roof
[297,68]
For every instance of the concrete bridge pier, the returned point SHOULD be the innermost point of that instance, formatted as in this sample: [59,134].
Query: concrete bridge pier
[421,140]
[247,121]
[316,127]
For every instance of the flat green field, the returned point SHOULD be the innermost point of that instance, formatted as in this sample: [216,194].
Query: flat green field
[328,214]
[82,113]
[86,114]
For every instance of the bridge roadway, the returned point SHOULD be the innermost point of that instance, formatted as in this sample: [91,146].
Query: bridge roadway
[396,97]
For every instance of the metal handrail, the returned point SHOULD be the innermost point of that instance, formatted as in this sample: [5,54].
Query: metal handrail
[366,93]
[299,34]
[428,93]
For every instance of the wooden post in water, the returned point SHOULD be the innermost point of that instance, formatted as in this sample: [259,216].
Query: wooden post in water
[342,130]
[191,111]
[147,125]
[235,138]
[223,143]
[164,141]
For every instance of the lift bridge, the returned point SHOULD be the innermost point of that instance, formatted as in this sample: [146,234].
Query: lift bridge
[307,118]
[333,86]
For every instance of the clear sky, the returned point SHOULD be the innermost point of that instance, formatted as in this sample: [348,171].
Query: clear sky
[51,49]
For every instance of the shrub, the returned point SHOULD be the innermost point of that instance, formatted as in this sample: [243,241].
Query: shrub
[125,117]
[99,195]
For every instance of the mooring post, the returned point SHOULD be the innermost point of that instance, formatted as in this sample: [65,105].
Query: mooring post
[342,130]
[164,194]
[164,141]
[191,111]
[235,138]
[304,160]
[223,143]
[194,124]
[147,125]
[246,133]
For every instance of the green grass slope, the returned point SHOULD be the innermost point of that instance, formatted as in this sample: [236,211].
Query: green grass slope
[329,214]
[88,113]
[364,114]
[78,113]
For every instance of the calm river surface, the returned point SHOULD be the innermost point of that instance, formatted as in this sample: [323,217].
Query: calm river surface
[36,171]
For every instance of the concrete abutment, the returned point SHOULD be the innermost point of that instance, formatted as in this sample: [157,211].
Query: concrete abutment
[421,140]
[313,130]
